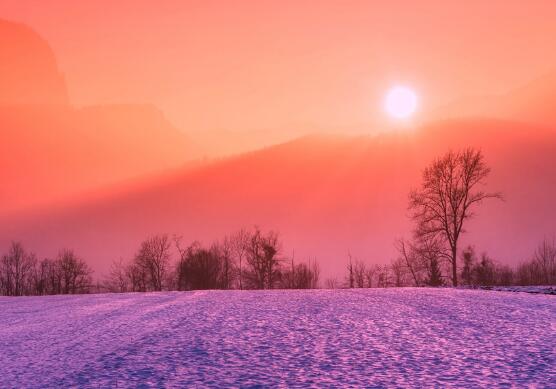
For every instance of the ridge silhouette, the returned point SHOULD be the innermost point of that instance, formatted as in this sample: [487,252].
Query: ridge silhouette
[50,149]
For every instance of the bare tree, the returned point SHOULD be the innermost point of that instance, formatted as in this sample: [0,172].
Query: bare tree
[66,274]
[262,259]
[287,276]
[469,260]
[300,276]
[118,278]
[485,271]
[434,275]
[370,274]
[50,281]
[351,274]
[504,275]
[238,244]
[138,277]
[331,283]
[315,274]
[421,259]
[16,270]
[270,247]
[541,268]
[408,256]
[430,252]
[399,273]
[40,278]
[225,252]
[153,259]
[383,275]
[359,271]
[75,274]
[545,259]
[199,268]
[447,196]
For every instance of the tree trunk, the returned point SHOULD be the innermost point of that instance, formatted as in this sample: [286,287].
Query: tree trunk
[454,266]
[240,275]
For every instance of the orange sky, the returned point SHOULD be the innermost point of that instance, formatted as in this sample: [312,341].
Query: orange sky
[275,65]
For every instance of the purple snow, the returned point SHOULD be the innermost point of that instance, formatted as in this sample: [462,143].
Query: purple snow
[367,337]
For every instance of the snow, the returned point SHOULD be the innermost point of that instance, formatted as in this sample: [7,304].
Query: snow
[368,337]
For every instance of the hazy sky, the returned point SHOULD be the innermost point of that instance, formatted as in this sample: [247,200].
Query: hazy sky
[269,65]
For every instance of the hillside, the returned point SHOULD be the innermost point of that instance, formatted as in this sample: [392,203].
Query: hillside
[326,195]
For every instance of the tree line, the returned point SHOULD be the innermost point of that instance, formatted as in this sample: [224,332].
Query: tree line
[22,274]
[247,259]
[251,260]
[421,267]
[451,190]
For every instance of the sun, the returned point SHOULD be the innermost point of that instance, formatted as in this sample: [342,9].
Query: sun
[400,102]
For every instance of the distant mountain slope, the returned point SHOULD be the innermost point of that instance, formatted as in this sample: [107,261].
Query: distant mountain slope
[29,73]
[533,102]
[327,195]
[50,150]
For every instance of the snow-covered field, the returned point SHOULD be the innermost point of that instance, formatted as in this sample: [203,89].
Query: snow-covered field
[372,338]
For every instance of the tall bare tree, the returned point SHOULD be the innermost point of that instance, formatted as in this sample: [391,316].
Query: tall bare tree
[449,192]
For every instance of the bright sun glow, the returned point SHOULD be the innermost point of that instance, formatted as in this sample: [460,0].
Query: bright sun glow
[401,102]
